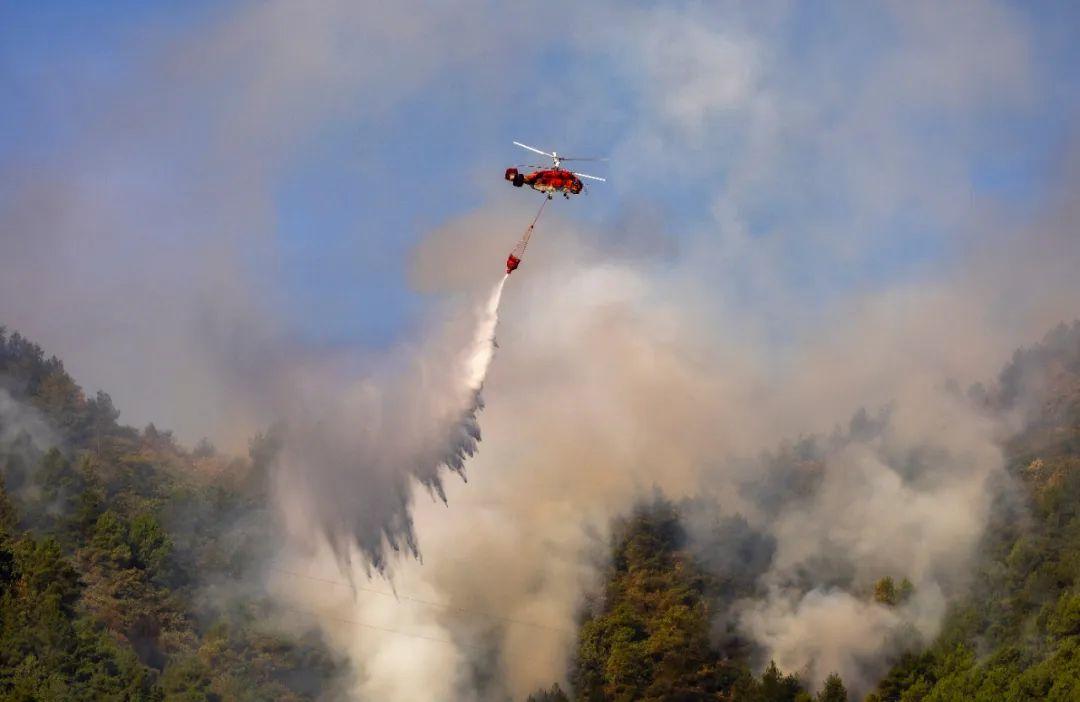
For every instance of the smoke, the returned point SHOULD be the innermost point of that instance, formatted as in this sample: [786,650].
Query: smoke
[22,423]
[351,450]
[609,385]
[906,497]
[174,162]
[799,291]
[25,436]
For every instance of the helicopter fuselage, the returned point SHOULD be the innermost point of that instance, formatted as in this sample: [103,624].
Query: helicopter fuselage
[549,180]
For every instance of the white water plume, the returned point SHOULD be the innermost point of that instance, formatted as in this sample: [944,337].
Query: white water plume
[351,451]
[482,349]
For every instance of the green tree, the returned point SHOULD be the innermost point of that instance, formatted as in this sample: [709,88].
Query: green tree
[885,591]
[554,694]
[150,544]
[777,687]
[833,690]
[905,591]
[109,540]
[187,680]
[1065,620]
[648,637]
[9,514]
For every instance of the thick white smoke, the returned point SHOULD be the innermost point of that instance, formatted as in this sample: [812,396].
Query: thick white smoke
[908,497]
[610,384]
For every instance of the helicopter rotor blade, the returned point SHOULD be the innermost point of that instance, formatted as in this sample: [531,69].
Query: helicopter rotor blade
[581,158]
[586,175]
[530,148]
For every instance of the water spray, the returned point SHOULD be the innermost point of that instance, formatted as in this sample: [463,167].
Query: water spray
[482,349]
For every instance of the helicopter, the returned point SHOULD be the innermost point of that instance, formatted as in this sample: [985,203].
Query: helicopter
[553,179]
[548,180]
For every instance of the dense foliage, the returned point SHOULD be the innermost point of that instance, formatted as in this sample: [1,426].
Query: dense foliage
[1014,637]
[648,636]
[109,537]
[1017,636]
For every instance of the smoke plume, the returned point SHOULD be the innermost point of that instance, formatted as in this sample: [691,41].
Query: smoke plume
[609,386]
[20,423]
[904,496]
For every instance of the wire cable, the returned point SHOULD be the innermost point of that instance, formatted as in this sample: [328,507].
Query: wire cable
[323,615]
[429,603]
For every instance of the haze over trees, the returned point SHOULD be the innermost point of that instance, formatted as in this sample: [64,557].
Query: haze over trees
[111,542]
[129,569]
[656,630]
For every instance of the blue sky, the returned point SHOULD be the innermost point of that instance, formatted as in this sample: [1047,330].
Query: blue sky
[815,151]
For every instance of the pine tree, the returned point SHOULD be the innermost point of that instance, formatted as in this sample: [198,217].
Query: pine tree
[833,691]
[885,591]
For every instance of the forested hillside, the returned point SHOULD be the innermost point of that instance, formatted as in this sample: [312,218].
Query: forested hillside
[657,629]
[111,540]
[115,542]
[647,635]
[1017,636]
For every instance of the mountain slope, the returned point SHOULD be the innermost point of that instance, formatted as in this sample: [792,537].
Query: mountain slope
[110,541]
[1014,635]
[1017,636]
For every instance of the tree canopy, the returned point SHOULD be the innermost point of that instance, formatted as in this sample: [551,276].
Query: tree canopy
[107,534]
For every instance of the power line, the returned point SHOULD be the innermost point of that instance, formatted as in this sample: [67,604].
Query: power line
[384,629]
[429,603]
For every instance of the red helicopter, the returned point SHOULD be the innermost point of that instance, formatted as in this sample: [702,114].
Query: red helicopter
[550,180]
[546,180]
